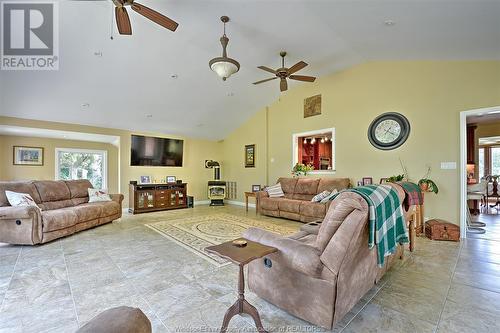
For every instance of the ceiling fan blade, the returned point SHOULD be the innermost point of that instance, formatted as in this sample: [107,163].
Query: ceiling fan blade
[302,78]
[283,85]
[123,21]
[297,67]
[267,69]
[155,16]
[262,81]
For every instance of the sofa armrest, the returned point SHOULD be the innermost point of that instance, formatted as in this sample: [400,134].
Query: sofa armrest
[117,198]
[261,194]
[292,253]
[20,225]
[21,212]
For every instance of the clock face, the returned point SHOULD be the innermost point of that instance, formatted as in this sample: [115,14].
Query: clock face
[389,131]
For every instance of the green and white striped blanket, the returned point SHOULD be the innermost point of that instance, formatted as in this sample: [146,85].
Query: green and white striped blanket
[386,219]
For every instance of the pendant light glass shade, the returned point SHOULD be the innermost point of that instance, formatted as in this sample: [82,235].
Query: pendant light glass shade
[224,66]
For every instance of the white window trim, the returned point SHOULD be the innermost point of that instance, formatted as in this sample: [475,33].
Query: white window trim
[295,149]
[91,151]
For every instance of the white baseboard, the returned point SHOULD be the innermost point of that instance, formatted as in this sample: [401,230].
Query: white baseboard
[201,202]
[239,203]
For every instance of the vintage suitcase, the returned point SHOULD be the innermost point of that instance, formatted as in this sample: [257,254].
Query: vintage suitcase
[442,230]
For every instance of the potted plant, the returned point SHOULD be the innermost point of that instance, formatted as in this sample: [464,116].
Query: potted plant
[426,184]
[396,178]
[301,169]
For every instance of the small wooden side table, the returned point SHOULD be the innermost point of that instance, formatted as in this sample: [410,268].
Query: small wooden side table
[253,195]
[241,256]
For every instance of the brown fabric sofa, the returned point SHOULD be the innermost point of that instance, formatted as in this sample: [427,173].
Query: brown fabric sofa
[321,272]
[64,210]
[296,204]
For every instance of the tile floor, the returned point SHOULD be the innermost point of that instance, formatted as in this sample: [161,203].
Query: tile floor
[57,287]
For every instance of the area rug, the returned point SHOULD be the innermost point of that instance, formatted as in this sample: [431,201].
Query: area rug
[196,233]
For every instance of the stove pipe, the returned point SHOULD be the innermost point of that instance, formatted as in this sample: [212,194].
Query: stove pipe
[216,172]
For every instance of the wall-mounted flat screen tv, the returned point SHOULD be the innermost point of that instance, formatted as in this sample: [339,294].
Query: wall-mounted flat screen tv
[150,151]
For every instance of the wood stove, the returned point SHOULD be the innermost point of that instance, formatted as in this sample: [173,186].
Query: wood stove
[216,187]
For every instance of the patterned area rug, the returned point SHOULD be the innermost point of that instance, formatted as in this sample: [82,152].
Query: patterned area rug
[196,233]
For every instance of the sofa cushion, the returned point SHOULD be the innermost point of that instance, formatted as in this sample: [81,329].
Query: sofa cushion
[307,186]
[337,213]
[51,190]
[122,319]
[289,205]
[109,208]
[275,191]
[51,205]
[87,212]
[314,209]
[21,187]
[53,220]
[78,188]
[288,184]
[269,203]
[329,184]
[304,197]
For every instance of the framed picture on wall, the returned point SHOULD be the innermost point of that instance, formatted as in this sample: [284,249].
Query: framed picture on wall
[367,181]
[28,156]
[145,180]
[250,156]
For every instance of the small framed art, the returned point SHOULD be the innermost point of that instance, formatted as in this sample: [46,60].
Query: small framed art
[367,181]
[171,179]
[250,156]
[145,180]
[28,156]
[255,188]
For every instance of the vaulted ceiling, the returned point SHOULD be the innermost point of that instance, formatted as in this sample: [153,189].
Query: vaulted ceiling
[156,80]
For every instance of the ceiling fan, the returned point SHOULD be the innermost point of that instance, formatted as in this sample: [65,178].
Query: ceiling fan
[284,73]
[123,21]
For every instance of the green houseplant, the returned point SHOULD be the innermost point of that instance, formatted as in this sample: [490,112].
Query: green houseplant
[426,184]
[301,169]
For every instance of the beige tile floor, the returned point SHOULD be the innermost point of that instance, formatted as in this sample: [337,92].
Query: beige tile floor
[57,287]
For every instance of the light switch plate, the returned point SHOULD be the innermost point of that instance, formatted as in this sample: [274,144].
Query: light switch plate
[448,165]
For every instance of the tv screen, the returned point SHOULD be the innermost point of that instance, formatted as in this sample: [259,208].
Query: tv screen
[150,151]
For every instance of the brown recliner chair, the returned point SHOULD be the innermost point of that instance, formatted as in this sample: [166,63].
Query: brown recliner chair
[321,272]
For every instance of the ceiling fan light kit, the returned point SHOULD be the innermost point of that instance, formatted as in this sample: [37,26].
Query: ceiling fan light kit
[224,66]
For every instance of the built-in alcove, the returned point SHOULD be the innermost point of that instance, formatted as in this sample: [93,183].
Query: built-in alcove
[316,148]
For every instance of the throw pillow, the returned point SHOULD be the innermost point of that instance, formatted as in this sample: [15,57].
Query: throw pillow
[17,199]
[96,195]
[330,196]
[320,196]
[275,191]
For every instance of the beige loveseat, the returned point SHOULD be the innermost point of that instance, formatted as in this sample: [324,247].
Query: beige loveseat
[296,204]
[321,272]
[64,210]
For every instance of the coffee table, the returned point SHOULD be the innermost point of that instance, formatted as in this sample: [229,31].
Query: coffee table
[241,256]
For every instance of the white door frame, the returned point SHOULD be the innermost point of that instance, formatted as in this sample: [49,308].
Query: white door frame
[463,162]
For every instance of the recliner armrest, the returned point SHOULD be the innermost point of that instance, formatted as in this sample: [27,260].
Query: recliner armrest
[21,212]
[117,198]
[292,253]
[261,194]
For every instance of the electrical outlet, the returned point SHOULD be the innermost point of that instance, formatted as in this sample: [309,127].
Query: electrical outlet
[448,165]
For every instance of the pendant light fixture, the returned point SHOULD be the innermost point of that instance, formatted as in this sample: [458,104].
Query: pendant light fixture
[224,66]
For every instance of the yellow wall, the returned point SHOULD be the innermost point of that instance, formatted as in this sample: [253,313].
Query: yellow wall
[429,94]
[47,171]
[193,171]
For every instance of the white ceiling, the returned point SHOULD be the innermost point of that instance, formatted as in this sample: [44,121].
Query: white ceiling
[56,134]
[132,79]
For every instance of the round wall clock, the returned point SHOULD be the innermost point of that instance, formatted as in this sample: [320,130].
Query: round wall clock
[389,131]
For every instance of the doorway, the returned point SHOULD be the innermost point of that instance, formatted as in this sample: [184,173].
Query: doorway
[480,170]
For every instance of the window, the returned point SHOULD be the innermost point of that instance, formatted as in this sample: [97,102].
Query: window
[495,161]
[315,148]
[481,163]
[82,164]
